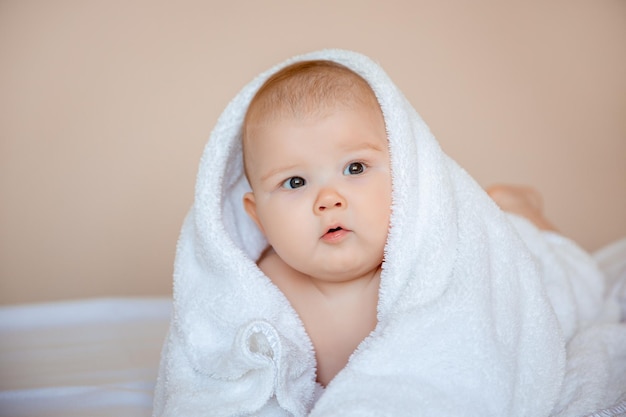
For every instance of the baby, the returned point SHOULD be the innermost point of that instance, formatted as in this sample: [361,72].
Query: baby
[316,156]
[332,243]
[317,159]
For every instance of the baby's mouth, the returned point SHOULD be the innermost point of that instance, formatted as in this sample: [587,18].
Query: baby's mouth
[335,234]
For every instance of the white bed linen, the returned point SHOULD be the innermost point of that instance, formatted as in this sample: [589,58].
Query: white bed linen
[96,357]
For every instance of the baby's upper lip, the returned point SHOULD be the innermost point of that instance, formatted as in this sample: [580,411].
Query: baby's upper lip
[334,227]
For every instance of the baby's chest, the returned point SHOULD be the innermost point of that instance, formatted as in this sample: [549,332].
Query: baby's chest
[338,328]
[335,335]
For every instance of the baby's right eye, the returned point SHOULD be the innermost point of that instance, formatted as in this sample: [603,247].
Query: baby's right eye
[294,182]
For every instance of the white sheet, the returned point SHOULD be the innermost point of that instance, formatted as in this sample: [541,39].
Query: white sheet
[94,357]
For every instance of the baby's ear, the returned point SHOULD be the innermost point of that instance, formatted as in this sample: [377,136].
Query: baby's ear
[249,204]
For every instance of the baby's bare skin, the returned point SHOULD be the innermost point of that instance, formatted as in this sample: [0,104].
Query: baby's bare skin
[523,201]
[336,316]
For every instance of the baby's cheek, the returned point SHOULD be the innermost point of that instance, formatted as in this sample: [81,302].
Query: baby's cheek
[284,226]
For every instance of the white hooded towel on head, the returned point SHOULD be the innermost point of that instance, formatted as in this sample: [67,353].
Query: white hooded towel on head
[465,326]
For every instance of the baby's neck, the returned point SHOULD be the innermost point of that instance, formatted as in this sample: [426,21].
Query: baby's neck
[346,289]
[336,315]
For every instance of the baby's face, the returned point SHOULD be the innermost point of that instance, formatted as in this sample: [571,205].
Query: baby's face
[322,190]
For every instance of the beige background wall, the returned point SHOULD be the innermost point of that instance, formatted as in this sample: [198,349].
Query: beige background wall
[105,107]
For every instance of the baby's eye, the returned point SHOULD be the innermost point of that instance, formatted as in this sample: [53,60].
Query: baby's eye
[294,182]
[354,168]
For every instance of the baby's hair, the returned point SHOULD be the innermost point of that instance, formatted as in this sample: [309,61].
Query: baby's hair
[307,88]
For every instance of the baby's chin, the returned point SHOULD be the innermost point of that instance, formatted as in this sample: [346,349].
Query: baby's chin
[343,273]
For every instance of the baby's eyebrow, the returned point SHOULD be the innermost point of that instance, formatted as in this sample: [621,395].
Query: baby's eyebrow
[275,171]
[362,146]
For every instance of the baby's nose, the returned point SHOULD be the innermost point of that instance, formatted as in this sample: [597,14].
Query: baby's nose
[328,199]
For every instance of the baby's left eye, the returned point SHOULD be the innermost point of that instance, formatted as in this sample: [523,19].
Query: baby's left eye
[354,168]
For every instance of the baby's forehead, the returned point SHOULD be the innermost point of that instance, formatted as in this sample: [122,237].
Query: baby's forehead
[308,107]
[311,114]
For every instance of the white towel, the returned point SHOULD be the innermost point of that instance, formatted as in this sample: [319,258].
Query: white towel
[465,325]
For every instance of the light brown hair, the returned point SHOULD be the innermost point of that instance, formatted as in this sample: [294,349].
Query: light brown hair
[307,87]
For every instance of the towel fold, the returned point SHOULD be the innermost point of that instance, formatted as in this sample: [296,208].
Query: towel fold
[466,324]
